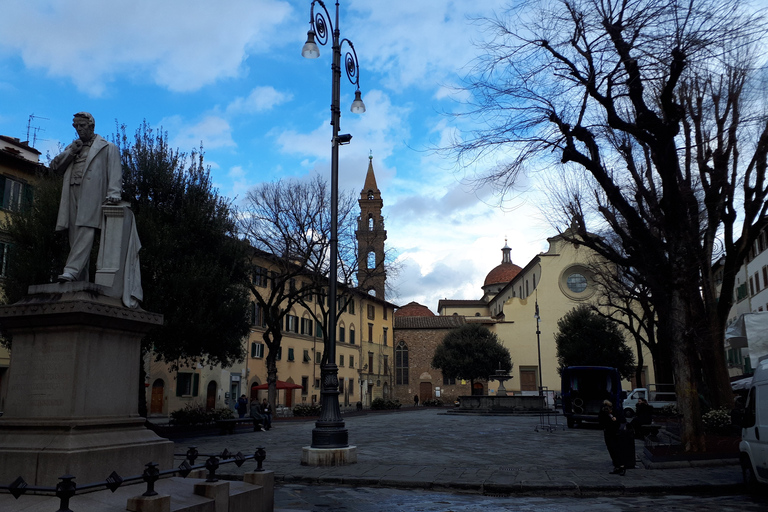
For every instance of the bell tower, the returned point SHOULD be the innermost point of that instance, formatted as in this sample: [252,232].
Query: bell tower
[371,235]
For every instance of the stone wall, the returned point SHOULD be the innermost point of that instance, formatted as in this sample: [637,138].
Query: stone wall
[422,335]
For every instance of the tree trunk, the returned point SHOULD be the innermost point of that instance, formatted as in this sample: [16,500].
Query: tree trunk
[685,364]
[717,385]
[640,361]
[272,340]
[662,363]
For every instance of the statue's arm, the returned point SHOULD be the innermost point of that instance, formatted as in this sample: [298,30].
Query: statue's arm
[63,159]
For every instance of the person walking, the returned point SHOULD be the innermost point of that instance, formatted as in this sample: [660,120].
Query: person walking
[242,406]
[611,424]
[415,400]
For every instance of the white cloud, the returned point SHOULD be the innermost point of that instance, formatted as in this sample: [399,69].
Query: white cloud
[213,131]
[260,99]
[417,43]
[91,42]
[379,129]
[239,183]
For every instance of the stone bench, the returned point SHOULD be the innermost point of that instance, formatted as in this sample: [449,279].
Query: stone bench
[228,426]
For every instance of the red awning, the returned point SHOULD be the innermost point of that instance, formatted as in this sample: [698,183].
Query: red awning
[280,384]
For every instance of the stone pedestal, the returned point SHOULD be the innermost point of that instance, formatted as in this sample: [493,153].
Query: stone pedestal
[266,481]
[328,456]
[73,388]
[217,491]
[159,503]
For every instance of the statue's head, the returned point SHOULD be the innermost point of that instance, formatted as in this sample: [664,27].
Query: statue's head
[84,124]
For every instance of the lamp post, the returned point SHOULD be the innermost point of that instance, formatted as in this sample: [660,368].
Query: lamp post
[538,343]
[329,431]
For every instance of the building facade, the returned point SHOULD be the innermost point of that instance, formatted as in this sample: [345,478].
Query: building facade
[746,339]
[364,341]
[19,165]
[418,332]
[522,306]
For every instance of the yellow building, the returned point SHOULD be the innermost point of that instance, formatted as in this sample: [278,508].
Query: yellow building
[523,305]
[364,334]
[19,164]
[363,353]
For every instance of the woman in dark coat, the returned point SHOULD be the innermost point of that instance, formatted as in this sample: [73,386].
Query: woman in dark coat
[611,424]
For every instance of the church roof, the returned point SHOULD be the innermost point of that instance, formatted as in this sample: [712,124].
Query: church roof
[370,180]
[414,309]
[429,322]
[504,272]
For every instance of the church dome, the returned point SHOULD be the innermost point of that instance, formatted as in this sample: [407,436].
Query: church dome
[414,309]
[505,272]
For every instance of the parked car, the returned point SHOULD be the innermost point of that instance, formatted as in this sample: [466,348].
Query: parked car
[753,447]
[658,396]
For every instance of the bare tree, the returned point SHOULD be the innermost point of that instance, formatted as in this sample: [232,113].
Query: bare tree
[653,99]
[624,299]
[288,224]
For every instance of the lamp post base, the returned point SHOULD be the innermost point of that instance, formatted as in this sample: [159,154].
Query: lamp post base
[328,456]
[330,436]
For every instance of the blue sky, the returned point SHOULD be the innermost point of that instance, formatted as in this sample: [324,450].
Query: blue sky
[229,74]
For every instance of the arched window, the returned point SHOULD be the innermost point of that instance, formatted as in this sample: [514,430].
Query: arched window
[401,363]
[370,222]
[371,260]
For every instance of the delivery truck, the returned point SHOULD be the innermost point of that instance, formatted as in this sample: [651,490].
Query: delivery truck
[753,448]
[583,389]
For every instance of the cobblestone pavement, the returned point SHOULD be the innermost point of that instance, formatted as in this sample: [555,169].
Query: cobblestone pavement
[491,455]
[305,498]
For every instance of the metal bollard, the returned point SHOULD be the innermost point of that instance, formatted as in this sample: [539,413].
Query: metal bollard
[151,475]
[192,455]
[212,464]
[259,457]
[64,491]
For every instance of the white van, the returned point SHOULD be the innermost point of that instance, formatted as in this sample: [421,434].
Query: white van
[754,433]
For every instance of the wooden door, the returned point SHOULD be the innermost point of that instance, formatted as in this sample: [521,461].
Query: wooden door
[528,379]
[156,402]
[425,391]
[210,397]
[478,389]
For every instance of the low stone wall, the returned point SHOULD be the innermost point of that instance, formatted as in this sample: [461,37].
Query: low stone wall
[501,404]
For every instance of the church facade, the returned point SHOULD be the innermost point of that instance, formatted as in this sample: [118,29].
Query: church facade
[522,305]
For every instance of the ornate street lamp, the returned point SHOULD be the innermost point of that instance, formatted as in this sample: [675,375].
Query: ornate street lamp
[538,344]
[329,431]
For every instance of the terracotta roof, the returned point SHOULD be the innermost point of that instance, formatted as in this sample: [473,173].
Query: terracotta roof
[429,322]
[414,309]
[503,273]
[460,302]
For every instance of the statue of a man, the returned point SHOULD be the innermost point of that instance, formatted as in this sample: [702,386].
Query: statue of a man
[92,177]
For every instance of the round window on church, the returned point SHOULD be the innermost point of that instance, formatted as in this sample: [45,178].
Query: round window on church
[576,282]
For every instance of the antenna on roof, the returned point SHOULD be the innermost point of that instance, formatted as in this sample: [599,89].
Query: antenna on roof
[34,129]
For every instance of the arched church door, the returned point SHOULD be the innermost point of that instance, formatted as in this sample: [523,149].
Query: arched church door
[425,391]
[210,397]
[477,389]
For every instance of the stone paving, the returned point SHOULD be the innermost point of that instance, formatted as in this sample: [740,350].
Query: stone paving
[314,498]
[425,448]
